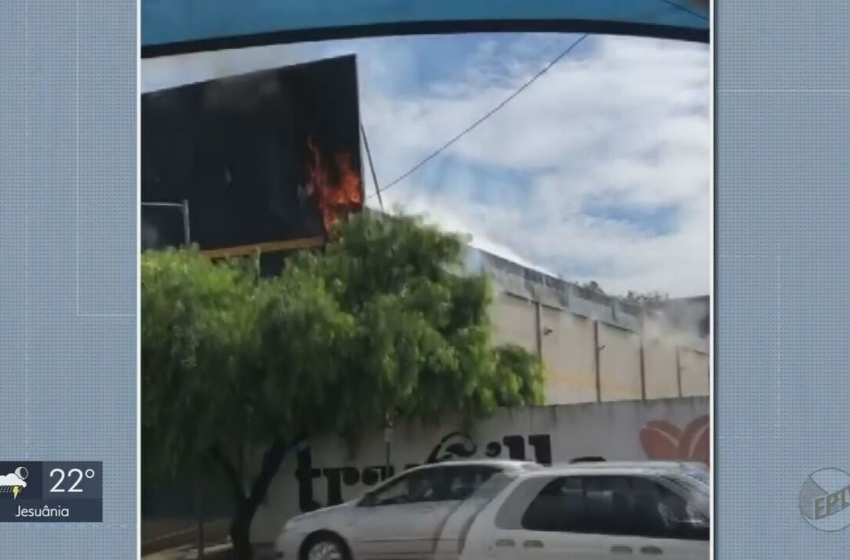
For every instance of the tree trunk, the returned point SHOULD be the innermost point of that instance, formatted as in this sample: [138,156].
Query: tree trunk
[247,506]
[240,533]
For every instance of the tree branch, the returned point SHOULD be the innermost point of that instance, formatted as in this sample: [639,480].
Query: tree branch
[272,459]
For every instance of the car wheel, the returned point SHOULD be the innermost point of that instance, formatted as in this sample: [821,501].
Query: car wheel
[325,547]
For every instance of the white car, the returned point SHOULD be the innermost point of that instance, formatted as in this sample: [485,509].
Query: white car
[408,517]
[694,469]
[504,510]
[595,511]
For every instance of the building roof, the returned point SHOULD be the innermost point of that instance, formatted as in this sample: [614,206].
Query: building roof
[689,315]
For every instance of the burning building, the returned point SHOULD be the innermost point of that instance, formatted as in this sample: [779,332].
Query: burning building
[269,159]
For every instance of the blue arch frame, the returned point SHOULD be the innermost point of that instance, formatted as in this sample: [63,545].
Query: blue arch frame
[182,26]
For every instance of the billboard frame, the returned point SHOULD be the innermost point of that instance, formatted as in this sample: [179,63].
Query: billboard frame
[280,245]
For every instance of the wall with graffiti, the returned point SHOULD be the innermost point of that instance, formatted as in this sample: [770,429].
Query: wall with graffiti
[323,474]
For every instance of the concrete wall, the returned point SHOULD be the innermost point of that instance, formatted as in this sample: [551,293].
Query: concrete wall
[568,355]
[567,343]
[514,321]
[660,364]
[673,335]
[694,366]
[323,473]
[619,360]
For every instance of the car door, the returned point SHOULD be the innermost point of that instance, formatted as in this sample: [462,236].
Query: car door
[401,520]
[468,492]
[684,529]
[544,519]
[641,519]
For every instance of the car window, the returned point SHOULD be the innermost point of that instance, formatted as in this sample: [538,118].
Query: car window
[494,486]
[559,507]
[614,505]
[417,486]
[683,508]
[695,493]
[461,482]
[608,504]
[642,506]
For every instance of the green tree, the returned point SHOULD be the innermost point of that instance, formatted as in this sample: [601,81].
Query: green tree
[640,299]
[379,323]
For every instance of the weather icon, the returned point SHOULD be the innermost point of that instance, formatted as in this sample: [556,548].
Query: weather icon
[14,482]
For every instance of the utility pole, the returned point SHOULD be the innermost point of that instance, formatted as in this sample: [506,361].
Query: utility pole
[642,370]
[538,318]
[597,359]
[187,232]
[372,166]
[679,371]
[183,208]
[199,510]
[388,441]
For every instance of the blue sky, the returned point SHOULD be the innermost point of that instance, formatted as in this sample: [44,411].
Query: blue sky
[599,171]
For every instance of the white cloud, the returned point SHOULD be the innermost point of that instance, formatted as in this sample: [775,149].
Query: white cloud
[624,121]
[12,479]
[628,124]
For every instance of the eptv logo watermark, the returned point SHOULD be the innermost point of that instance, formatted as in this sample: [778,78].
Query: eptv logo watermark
[825,500]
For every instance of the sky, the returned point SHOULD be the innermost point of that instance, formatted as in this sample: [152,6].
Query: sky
[597,171]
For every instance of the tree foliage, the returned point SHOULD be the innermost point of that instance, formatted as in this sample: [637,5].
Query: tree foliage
[379,323]
[640,299]
[648,300]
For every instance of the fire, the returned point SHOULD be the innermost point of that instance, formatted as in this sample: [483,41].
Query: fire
[337,194]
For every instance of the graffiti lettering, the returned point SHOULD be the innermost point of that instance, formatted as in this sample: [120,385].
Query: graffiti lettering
[455,445]
[542,445]
[664,440]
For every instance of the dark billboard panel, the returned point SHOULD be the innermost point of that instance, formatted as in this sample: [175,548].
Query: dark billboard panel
[268,159]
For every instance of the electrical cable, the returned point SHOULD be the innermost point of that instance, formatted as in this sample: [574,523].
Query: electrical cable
[684,9]
[498,107]
[486,116]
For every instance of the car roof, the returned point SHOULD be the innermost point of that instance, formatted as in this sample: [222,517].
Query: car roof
[529,468]
[638,464]
[505,464]
[622,467]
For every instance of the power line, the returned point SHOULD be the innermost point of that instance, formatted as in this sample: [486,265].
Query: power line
[684,9]
[486,116]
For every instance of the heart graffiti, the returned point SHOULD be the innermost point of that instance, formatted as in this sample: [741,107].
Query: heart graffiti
[664,440]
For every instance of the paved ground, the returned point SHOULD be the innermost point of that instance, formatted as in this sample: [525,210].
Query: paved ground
[220,552]
[161,535]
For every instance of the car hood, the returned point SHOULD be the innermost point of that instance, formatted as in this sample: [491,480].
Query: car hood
[321,514]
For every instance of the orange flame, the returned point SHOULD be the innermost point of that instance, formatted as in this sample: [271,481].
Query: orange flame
[337,194]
